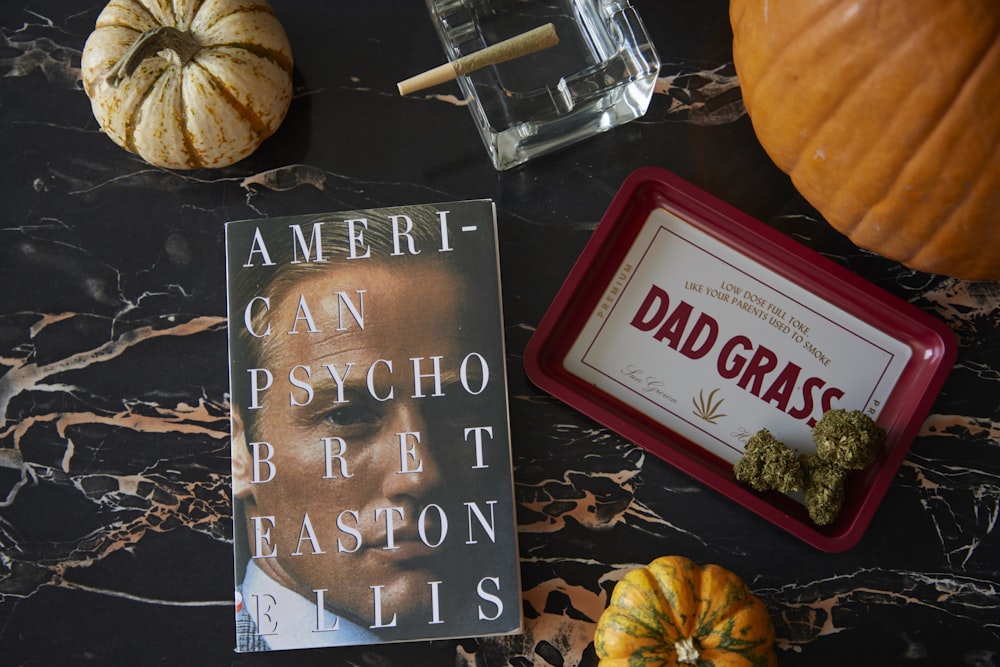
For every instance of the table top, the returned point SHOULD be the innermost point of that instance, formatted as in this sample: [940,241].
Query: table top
[115,509]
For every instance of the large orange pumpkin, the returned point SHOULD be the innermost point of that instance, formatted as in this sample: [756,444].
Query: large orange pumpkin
[886,116]
[674,612]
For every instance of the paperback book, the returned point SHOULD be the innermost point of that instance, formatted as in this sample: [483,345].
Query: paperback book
[372,471]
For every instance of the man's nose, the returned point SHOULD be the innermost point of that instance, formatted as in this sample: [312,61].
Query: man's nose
[418,470]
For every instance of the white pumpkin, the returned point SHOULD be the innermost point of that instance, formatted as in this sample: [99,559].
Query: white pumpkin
[187,84]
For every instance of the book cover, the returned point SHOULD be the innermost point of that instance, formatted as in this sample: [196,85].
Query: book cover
[372,472]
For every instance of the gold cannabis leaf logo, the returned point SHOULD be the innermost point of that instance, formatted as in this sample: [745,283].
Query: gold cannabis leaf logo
[707,408]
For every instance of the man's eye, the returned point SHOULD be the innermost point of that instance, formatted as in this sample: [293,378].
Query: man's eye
[352,415]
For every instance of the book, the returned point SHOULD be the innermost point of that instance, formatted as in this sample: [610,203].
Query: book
[372,469]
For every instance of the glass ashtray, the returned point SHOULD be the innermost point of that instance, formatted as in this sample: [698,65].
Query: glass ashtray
[600,75]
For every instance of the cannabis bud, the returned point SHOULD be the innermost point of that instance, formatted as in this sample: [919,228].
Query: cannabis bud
[845,440]
[848,439]
[768,465]
[824,489]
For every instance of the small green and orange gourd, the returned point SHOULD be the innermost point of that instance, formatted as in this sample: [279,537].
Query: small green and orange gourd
[674,612]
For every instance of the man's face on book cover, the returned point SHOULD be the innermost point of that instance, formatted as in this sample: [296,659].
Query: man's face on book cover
[390,478]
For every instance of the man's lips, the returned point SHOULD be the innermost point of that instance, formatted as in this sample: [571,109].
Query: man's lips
[406,544]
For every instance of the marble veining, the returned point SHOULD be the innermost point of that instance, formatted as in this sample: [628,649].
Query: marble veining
[114,439]
[699,96]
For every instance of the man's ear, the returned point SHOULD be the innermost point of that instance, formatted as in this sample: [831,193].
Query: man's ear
[242,464]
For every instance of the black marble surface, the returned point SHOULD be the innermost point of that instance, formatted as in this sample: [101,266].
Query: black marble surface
[115,528]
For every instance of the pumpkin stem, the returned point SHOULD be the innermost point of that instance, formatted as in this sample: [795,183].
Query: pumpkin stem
[149,43]
[687,651]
